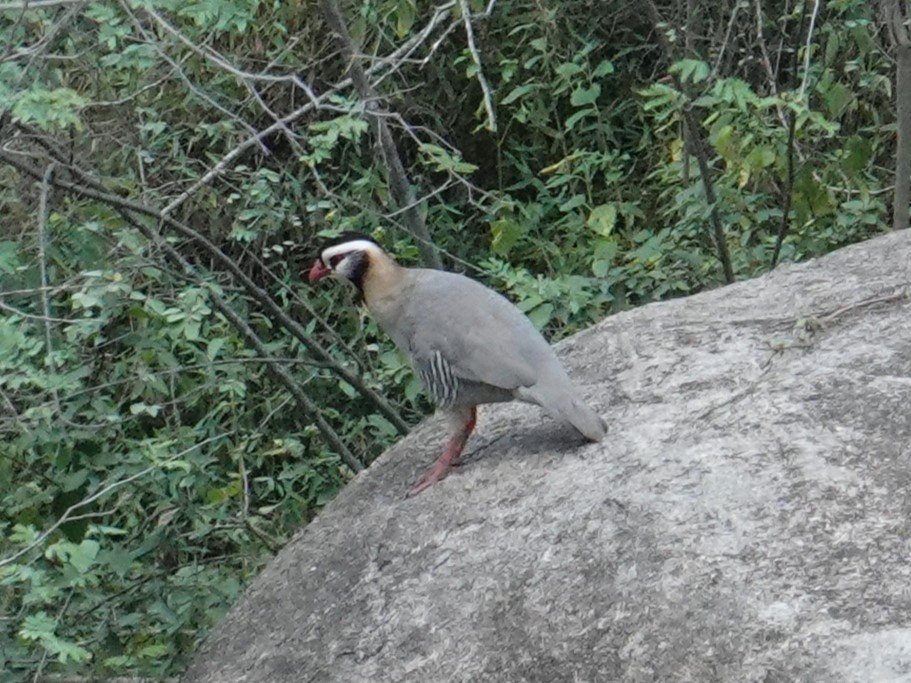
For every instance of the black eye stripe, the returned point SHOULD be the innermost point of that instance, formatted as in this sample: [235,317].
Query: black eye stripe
[335,260]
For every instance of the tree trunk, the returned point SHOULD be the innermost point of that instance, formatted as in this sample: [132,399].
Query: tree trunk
[894,14]
[902,199]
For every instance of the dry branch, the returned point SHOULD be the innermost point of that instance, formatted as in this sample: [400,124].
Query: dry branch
[398,178]
[475,55]
[696,146]
[895,20]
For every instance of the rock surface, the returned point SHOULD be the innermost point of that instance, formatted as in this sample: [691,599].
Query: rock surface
[747,519]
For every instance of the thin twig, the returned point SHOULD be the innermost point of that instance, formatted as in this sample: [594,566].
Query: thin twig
[43,213]
[807,49]
[398,58]
[311,311]
[788,192]
[31,316]
[727,38]
[693,135]
[829,316]
[36,4]
[63,608]
[242,470]
[485,86]
[767,63]
[205,97]
[12,411]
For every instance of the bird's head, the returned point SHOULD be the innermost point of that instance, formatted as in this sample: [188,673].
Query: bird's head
[347,257]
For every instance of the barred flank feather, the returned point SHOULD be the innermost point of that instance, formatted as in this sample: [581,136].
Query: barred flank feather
[440,381]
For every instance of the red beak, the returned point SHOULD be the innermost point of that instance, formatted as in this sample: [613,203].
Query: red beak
[318,271]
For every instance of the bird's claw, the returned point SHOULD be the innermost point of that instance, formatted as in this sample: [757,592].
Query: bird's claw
[432,476]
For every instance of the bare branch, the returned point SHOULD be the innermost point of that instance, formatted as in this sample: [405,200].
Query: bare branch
[43,211]
[485,86]
[807,50]
[727,38]
[31,316]
[788,192]
[36,4]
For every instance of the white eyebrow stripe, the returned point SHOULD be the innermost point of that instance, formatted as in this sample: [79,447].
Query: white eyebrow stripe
[347,247]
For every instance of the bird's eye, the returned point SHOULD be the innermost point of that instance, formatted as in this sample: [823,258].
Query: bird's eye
[335,260]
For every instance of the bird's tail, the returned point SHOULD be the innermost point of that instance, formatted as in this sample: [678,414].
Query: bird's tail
[561,399]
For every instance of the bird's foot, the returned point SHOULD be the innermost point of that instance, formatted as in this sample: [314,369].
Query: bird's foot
[439,471]
[450,457]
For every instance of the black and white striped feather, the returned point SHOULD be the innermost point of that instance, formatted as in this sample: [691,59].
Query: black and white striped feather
[439,380]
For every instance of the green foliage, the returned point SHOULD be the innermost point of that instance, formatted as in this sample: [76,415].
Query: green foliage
[49,109]
[149,464]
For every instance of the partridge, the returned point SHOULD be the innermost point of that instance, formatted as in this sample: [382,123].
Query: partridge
[468,344]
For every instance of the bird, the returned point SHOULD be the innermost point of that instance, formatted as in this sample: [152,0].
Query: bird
[468,344]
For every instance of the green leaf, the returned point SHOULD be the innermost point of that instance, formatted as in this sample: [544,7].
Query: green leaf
[737,92]
[154,651]
[413,388]
[37,626]
[73,480]
[443,160]
[24,534]
[214,346]
[568,70]
[585,96]
[603,69]
[530,302]
[578,116]
[858,152]
[602,219]
[82,556]
[347,389]
[118,559]
[691,70]
[51,110]
[404,18]
[838,98]
[382,425]
[760,158]
[142,408]
[518,92]
[541,315]
[191,330]
[66,651]
[9,257]
[505,232]
[573,202]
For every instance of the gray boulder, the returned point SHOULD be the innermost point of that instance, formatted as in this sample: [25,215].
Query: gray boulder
[747,519]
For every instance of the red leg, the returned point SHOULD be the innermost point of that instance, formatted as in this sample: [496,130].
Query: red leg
[450,457]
